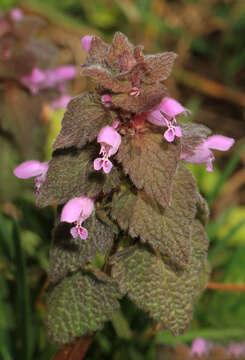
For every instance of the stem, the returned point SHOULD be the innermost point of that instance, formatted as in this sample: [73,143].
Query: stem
[76,351]
[225,287]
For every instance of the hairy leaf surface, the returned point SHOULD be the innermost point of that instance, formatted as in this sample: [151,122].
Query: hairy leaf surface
[71,174]
[160,66]
[82,122]
[104,78]
[169,229]
[98,51]
[119,45]
[202,209]
[78,305]
[151,162]
[150,96]
[68,254]
[168,294]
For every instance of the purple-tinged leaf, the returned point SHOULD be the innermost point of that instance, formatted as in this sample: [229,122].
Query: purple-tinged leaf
[98,51]
[119,45]
[160,65]
[151,162]
[83,120]
[104,78]
[150,96]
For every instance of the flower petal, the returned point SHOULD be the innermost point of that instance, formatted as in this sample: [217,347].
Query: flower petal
[86,42]
[108,135]
[98,163]
[16,14]
[169,134]
[219,142]
[107,166]
[83,233]
[209,164]
[63,73]
[30,168]
[75,207]
[200,347]
[74,232]
[156,118]
[178,131]
[61,102]
[171,107]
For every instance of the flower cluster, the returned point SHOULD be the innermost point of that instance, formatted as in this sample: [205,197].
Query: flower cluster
[163,115]
[39,80]
[20,55]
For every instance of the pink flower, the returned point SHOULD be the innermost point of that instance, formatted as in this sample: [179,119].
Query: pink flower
[35,169]
[86,42]
[38,79]
[61,102]
[77,211]
[16,14]
[203,154]
[200,347]
[110,141]
[164,115]
[236,349]
[106,100]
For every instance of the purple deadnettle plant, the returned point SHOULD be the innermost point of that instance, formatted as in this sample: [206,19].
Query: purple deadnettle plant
[136,204]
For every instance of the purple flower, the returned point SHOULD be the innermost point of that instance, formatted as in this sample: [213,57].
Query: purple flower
[61,102]
[110,141]
[164,115]
[35,169]
[236,349]
[38,79]
[16,14]
[86,42]
[77,211]
[203,154]
[106,100]
[200,347]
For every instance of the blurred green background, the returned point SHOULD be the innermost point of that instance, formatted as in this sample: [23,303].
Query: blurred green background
[208,78]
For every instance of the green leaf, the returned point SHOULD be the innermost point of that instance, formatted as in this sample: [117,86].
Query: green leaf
[71,174]
[168,294]
[160,66]
[68,254]
[150,95]
[82,122]
[151,162]
[80,304]
[167,230]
